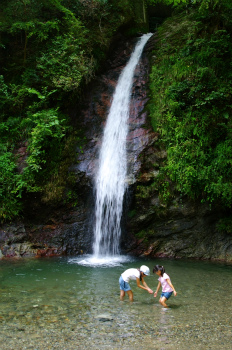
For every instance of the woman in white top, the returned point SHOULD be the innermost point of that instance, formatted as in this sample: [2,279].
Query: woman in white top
[133,274]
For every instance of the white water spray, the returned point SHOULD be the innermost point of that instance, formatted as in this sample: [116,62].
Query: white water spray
[111,176]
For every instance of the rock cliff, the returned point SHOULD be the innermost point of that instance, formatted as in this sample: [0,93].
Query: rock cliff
[150,228]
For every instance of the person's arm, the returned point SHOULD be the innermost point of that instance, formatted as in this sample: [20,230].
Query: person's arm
[171,285]
[145,286]
[157,289]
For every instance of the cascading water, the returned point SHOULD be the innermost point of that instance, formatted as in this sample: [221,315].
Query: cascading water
[111,176]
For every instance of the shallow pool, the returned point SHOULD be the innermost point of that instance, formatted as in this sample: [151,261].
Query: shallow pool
[68,303]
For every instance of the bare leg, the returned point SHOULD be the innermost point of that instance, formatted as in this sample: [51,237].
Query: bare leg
[122,294]
[163,302]
[130,294]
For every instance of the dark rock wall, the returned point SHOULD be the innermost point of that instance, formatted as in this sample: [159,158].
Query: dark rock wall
[183,229]
[48,231]
[149,227]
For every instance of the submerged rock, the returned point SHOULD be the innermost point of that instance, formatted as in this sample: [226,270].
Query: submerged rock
[104,317]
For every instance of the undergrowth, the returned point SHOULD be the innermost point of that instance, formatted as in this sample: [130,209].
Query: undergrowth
[191,104]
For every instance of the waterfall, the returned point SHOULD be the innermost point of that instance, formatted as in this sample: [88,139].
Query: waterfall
[110,179]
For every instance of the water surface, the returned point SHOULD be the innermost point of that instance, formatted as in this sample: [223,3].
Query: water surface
[59,303]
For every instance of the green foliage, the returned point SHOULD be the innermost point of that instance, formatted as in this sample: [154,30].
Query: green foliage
[145,236]
[168,2]
[132,213]
[191,84]
[143,192]
[49,50]
[142,235]
[11,187]
[45,135]
[45,131]
[225,225]
[65,64]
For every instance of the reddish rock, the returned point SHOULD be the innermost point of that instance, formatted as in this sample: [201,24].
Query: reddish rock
[97,105]
[49,227]
[48,252]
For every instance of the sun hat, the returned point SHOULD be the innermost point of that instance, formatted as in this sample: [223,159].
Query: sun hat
[145,270]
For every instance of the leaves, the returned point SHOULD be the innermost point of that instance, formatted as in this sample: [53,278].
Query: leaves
[191,87]
[65,64]
[49,50]
[10,189]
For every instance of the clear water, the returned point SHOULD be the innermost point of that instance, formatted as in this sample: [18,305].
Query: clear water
[111,176]
[59,303]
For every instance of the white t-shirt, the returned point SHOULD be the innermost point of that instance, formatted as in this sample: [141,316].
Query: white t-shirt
[130,274]
[164,283]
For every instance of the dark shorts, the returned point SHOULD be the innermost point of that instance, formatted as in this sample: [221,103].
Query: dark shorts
[167,295]
[124,285]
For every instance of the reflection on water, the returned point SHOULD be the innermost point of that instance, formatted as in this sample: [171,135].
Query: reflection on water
[61,304]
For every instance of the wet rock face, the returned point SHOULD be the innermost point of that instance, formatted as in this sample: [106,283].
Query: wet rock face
[180,229]
[40,240]
[150,228]
[97,104]
[54,231]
